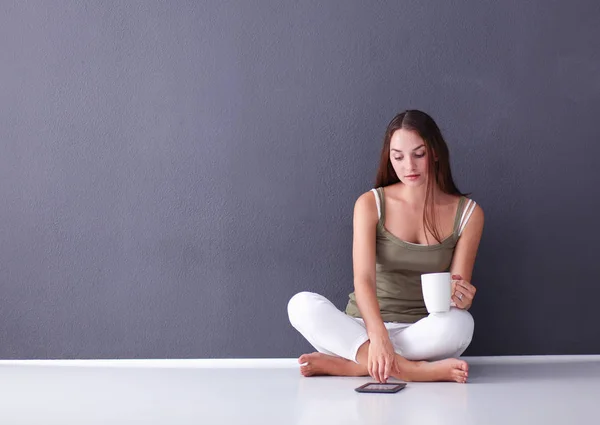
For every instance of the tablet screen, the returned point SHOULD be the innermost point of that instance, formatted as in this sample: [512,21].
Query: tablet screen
[380,387]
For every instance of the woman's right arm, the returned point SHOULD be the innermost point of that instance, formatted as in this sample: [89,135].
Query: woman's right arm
[381,351]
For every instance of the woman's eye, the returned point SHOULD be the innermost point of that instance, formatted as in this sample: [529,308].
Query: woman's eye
[420,155]
[398,158]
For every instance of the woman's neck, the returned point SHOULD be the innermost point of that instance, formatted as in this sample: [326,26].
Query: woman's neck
[415,196]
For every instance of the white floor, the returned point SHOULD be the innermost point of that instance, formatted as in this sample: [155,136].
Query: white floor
[502,390]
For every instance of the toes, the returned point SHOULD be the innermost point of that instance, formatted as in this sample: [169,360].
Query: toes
[460,376]
[306,371]
[303,359]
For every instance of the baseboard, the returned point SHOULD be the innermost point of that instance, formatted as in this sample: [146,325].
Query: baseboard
[279,363]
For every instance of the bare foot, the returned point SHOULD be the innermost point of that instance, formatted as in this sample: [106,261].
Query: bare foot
[443,370]
[316,364]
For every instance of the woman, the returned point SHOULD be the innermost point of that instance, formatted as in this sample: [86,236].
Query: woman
[415,222]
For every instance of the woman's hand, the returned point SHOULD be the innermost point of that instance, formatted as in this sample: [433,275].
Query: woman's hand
[462,292]
[382,358]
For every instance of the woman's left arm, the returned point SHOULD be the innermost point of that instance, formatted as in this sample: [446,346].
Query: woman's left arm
[464,260]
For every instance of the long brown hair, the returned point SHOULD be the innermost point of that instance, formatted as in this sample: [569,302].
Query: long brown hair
[438,161]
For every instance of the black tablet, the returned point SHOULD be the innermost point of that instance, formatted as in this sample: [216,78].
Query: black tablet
[377,387]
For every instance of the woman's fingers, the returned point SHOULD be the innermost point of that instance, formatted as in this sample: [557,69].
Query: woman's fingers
[382,370]
[373,370]
[377,369]
[388,368]
[463,285]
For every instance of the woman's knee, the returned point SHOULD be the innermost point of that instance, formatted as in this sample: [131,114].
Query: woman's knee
[452,333]
[462,319]
[299,307]
[458,328]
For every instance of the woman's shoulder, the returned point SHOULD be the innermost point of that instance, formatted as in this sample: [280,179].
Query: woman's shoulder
[367,199]
[473,213]
[366,205]
[470,203]
[466,199]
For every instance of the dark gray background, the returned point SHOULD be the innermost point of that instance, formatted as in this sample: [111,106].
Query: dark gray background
[171,173]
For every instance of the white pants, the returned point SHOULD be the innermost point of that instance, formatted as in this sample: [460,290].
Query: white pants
[330,331]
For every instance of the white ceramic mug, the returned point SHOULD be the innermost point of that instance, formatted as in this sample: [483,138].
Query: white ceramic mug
[437,291]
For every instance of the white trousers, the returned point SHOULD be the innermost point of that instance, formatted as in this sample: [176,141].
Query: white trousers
[330,331]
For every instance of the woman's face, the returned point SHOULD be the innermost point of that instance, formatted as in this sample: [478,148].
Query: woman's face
[408,155]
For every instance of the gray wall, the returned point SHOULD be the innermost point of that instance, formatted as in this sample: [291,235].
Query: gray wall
[171,173]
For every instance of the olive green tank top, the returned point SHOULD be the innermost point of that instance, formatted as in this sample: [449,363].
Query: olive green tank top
[399,265]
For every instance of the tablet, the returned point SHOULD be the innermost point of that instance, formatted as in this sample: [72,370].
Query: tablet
[378,387]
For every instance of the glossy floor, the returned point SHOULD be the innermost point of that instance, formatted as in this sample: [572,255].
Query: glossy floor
[502,390]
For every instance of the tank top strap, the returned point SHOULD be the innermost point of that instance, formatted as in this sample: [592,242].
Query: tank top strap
[381,198]
[459,212]
[466,215]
